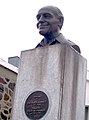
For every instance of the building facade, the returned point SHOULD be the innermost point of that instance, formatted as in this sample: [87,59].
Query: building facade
[8,76]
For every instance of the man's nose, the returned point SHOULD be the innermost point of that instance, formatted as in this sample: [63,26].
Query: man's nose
[41,19]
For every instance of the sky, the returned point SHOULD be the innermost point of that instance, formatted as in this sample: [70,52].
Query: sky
[18,30]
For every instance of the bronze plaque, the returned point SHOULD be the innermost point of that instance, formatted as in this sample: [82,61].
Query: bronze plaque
[36,105]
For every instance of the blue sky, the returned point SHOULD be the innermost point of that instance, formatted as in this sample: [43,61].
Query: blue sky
[18,24]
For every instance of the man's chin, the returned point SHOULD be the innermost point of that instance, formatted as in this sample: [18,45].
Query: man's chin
[42,33]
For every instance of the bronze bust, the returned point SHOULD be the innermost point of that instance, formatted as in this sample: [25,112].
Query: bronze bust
[50,21]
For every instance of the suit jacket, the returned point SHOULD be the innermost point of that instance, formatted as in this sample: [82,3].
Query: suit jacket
[59,40]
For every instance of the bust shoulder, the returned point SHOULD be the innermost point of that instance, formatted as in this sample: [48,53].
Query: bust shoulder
[76,47]
[63,40]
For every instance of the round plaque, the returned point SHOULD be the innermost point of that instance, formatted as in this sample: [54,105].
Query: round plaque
[36,105]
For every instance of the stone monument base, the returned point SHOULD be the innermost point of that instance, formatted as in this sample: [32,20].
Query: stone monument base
[50,85]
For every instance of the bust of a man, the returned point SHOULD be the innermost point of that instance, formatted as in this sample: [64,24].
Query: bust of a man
[50,21]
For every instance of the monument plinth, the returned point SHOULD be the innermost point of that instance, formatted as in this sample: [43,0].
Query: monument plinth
[50,84]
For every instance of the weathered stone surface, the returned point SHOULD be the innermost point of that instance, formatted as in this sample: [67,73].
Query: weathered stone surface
[58,71]
[1,88]
[0,96]
[11,86]
[7,80]
[6,97]
[73,100]
[2,80]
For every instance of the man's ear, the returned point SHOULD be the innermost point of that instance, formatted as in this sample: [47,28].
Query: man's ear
[61,20]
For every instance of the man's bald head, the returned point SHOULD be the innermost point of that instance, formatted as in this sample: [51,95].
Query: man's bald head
[56,11]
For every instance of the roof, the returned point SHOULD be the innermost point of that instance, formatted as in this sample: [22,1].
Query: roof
[8,66]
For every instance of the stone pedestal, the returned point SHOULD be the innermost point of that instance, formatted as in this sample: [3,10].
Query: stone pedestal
[50,85]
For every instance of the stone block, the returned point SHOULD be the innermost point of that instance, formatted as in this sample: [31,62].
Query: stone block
[50,84]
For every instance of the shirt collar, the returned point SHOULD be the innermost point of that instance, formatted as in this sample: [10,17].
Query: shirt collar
[60,38]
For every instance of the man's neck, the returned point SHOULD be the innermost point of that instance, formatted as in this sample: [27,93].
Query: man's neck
[50,37]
